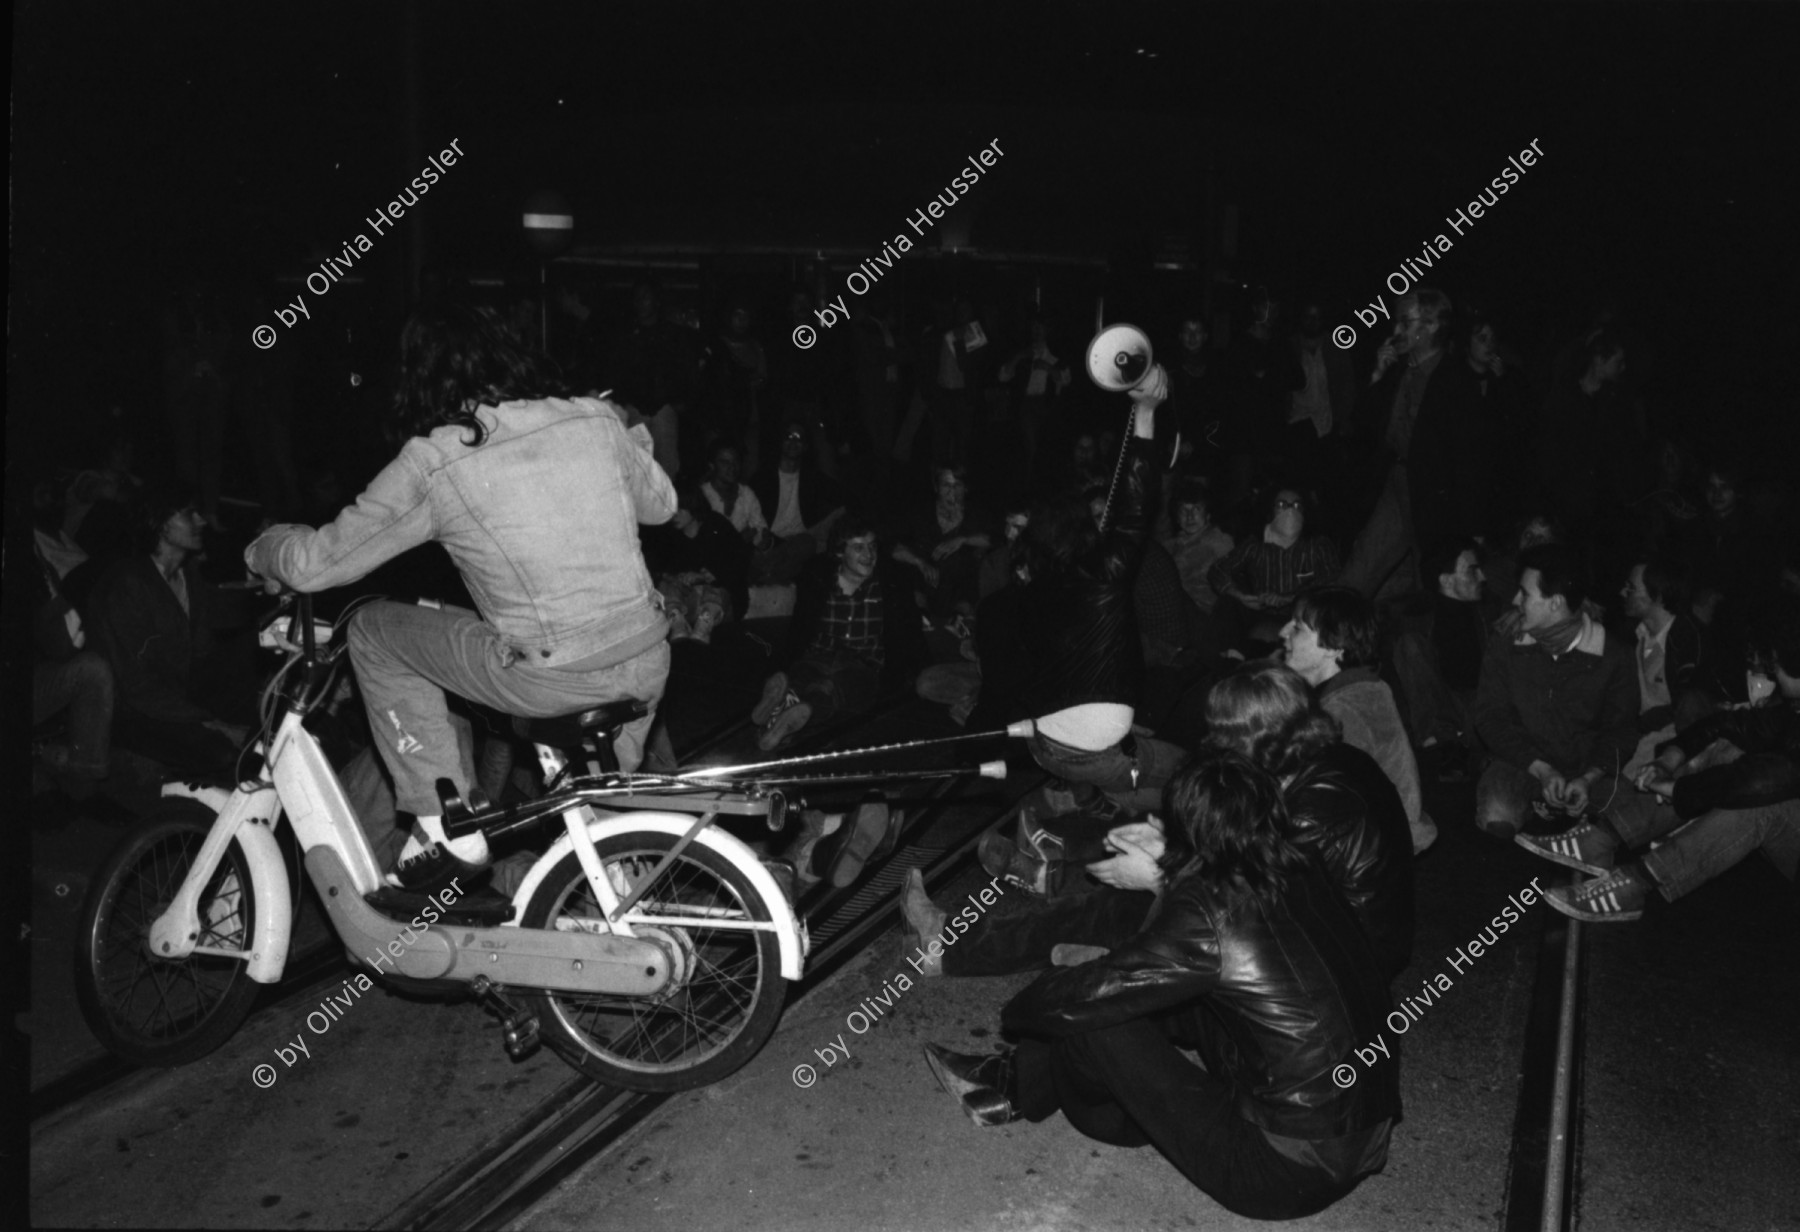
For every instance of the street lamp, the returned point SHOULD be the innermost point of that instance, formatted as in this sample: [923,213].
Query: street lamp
[549,223]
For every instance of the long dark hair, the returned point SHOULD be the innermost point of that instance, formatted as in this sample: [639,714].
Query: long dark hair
[454,358]
[1266,712]
[1228,826]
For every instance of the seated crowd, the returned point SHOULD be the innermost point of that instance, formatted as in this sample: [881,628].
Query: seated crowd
[1239,655]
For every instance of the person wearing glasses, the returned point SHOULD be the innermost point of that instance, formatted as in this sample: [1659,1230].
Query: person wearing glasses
[1261,576]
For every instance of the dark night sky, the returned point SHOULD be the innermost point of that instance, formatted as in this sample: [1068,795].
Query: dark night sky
[153,142]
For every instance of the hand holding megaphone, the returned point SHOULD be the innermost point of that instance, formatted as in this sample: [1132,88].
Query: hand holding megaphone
[1152,391]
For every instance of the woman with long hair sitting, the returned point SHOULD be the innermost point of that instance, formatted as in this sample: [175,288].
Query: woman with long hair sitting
[1252,959]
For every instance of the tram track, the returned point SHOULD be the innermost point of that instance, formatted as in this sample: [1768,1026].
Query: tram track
[582,1119]
[318,968]
[307,973]
[1543,1167]
[106,1077]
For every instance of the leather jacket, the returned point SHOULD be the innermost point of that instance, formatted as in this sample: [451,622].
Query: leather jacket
[1344,809]
[1281,991]
[1080,628]
[1767,773]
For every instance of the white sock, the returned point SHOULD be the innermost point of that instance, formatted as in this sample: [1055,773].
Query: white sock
[471,847]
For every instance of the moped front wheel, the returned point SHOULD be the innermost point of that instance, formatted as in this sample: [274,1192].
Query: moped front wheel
[713,1019]
[155,1011]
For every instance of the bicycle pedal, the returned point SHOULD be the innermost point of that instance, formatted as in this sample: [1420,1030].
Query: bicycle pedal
[522,1035]
[519,1029]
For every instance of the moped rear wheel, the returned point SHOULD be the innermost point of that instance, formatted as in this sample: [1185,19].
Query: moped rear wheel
[693,1034]
[154,1011]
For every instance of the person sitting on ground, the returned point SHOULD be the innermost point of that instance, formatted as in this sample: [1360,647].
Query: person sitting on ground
[1725,787]
[836,847]
[697,540]
[945,543]
[732,500]
[149,616]
[1501,567]
[1198,542]
[1261,576]
[1557,705]
[66,677]
[1340,806]
[1668,657]
[1437,656]
[801,504]
[1331,642]
[990,657]
[538,499]
[1253,960]
[854,625]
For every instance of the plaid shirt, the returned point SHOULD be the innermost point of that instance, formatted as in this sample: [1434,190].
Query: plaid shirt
[1261,568]
[853,622]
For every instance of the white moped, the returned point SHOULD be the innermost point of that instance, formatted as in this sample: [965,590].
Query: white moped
[646,946]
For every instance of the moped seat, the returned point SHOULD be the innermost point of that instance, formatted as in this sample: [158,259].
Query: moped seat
[569,730]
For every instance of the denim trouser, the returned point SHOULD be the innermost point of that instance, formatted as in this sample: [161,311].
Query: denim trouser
[1005,943]
[1505,793]
[1110,769]
[1696,852]
[407,656]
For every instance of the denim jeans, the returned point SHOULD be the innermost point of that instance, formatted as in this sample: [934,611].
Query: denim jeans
[956,685]
[1005,943]
[407,656]
[1695,852]
[1110,769]
[1505,793]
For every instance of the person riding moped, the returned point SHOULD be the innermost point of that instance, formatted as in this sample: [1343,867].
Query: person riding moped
[537,498]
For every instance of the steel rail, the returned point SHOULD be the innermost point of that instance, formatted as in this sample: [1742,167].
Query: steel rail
[304,976]
[1543,1170]
[582,1119]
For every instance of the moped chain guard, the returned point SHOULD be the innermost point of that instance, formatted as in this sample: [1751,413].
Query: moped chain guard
[571,961]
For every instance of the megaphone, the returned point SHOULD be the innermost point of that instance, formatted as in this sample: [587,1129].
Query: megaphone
[1119,358]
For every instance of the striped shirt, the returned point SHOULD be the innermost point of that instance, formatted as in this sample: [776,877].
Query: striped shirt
[1260,568]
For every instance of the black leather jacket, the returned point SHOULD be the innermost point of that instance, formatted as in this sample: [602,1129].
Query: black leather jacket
[1345,810]
[1285,989]
[1767,773]
[1080,629]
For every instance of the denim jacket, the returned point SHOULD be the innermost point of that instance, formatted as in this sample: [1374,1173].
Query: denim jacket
[541,520]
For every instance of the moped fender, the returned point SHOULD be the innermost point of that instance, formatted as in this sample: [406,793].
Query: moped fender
[248,818]
[789,932]
[574,961]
